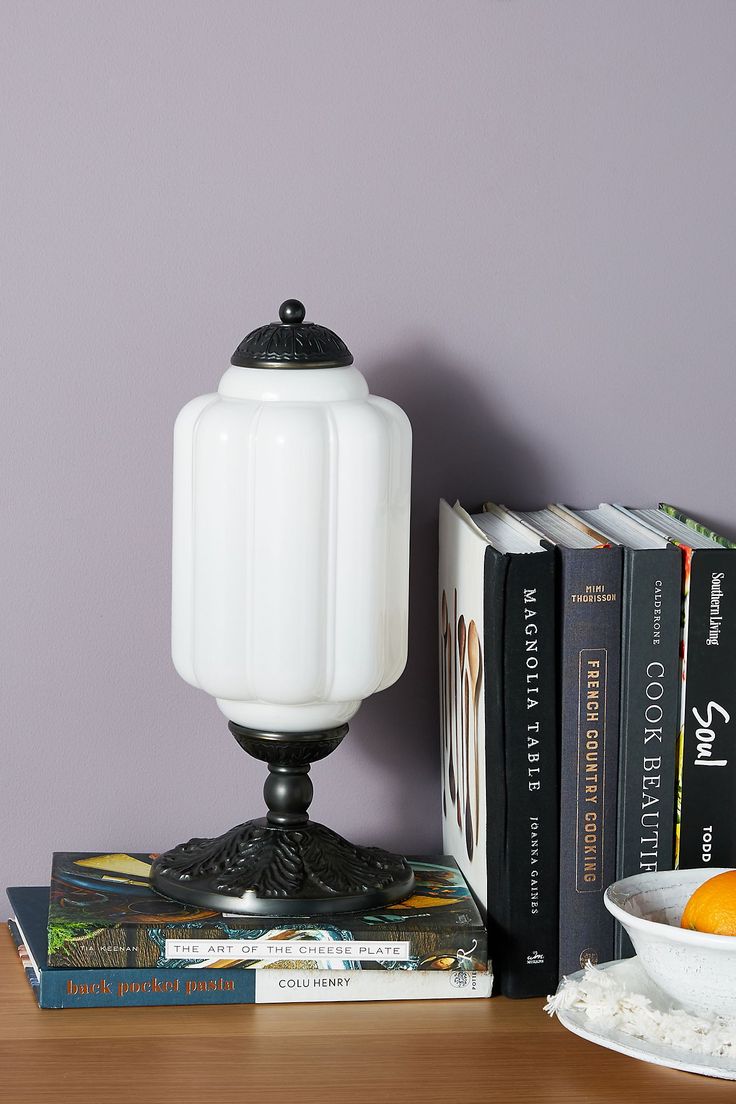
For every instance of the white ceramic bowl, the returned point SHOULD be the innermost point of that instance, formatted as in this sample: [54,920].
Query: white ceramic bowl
[696,969]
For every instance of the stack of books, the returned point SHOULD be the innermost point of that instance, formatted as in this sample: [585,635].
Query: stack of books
[587,689]
[100,935]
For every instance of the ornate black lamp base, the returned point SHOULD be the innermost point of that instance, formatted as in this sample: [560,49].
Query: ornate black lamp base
[284,864]
[260,869]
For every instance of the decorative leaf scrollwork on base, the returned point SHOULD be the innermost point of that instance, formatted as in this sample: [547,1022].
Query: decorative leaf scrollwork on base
[303,864]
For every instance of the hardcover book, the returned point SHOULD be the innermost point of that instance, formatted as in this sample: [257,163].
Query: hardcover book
[650,697]
[88,988]
[707,827]
[104,913]
[590,573]
[498,713]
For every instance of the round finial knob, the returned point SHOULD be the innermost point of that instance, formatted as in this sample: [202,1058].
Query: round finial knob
[292,312]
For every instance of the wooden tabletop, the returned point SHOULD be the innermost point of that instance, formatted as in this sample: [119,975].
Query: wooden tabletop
[426,1051]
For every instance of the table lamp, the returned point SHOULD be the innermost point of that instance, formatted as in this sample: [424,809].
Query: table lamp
[290,604]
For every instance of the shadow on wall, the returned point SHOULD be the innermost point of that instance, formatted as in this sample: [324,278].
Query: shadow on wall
[464,449]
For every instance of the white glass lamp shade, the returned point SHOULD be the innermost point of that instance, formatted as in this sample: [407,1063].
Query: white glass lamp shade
[291,545]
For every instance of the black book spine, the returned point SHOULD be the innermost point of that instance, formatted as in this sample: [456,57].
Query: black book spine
[650,714]
[529,967]
[495,569]
[590,610]
[707,822]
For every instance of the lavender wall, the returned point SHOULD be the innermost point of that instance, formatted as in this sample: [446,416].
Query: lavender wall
[520,215]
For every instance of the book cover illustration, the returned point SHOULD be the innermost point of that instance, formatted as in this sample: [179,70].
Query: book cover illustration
[104,913]
[696,526]
[58,987]
[461,688]
[463,678]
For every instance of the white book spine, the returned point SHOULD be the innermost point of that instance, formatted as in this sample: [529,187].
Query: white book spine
[294,986]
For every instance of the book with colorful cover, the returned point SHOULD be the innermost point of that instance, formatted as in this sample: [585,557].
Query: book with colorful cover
[74,988]
[104,913]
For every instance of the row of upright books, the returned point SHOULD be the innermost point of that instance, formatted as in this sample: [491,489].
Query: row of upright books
[587,686]
[100,935]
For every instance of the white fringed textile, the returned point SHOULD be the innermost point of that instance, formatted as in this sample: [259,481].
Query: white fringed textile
[622,998]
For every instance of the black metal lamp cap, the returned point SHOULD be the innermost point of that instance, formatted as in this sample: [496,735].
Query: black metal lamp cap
[292,343]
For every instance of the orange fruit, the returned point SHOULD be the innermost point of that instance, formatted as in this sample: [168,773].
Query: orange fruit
[712,907]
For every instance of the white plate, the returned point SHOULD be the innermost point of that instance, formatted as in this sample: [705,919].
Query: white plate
[658,1053]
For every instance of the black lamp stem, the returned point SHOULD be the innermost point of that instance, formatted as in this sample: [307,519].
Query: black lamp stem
[283,864]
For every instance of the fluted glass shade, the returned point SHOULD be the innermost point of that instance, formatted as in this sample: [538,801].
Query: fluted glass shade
[291,545]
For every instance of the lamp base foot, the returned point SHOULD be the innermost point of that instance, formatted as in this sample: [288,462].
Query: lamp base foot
[262,869]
